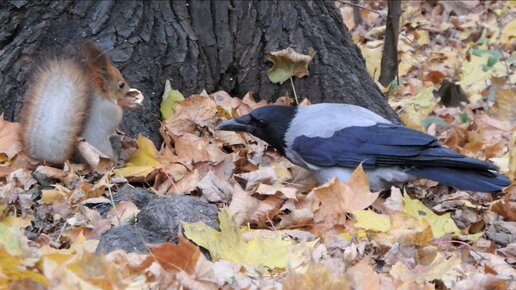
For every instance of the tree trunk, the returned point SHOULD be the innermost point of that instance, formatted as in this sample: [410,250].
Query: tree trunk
[212,45]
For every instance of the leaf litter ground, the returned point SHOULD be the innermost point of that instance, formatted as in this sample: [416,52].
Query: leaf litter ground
[277,228]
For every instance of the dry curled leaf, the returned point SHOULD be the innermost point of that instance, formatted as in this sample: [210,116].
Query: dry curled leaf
[288,63]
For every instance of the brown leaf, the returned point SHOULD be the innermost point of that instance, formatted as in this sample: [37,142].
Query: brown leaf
[182,256]
[506,206]
[215,189]
[254,178]
[435,77]
[316,277]
[510,253]
[496,263]
[362,276]
[244,207]
[300,214]
[194,111]
[9,139]
[482,281]
[96,159]
[192,149]
[338,198]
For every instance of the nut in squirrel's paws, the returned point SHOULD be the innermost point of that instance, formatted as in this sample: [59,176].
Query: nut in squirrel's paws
[132,100]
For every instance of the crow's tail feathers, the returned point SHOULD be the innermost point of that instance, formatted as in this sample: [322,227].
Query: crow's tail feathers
[465,179]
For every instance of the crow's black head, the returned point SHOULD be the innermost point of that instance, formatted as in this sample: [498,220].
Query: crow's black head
[269,123]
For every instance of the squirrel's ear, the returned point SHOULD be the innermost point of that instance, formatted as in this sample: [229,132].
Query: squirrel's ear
[93,54]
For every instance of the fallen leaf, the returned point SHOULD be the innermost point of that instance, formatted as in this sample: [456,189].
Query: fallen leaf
[363,277]
[338,198]
[506,206]
[369,220]
[215,189]
[316,277]
[482,281]
[9,139]
[229,245]
[13,270]
[254,178]
[372,53]
[246,208]
[143,162]
[195,111]
[182,256]
[441,268]
[440,224]
[405,230]
[508,34]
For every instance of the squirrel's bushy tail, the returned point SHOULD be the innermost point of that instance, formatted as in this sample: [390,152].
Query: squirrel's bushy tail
[59,92]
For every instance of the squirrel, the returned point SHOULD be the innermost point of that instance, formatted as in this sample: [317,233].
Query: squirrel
[71,97]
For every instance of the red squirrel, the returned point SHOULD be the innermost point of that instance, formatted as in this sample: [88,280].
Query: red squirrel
[71,97]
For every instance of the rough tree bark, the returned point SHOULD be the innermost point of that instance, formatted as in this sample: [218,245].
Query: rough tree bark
[212,45]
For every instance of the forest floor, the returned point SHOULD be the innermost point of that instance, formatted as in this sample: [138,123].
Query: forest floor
[277,228]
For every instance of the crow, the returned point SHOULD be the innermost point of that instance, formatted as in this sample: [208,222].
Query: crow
[331,140]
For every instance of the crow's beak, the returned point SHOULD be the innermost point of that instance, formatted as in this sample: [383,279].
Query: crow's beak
[242,124]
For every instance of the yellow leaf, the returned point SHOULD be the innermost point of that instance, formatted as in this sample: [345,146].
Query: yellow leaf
[143,161]
[440,224]
[423,36]
[475,77]
[169,101]
[229,245]
[359,235]
[369,220]
[413,117]
[54,196]
[372,53]
[508,34]
[55,268]
[425,98]
[406,230]
[12,269]
[10,239]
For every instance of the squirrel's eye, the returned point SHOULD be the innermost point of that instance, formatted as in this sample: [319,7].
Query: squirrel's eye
[121,85]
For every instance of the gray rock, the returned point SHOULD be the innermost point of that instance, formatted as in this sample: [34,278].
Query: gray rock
[129,238]
[157,222]
[164,215]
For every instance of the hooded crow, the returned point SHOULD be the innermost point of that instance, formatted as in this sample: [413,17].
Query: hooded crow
[331,140]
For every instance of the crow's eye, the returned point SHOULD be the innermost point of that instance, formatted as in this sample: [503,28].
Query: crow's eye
[260,122]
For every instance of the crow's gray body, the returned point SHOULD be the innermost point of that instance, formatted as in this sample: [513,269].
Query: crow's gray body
[336,117]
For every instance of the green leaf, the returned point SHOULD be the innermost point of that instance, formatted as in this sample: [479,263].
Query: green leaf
[494,57]
[478,51]
[434,120]
[425,98]
[463,117]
